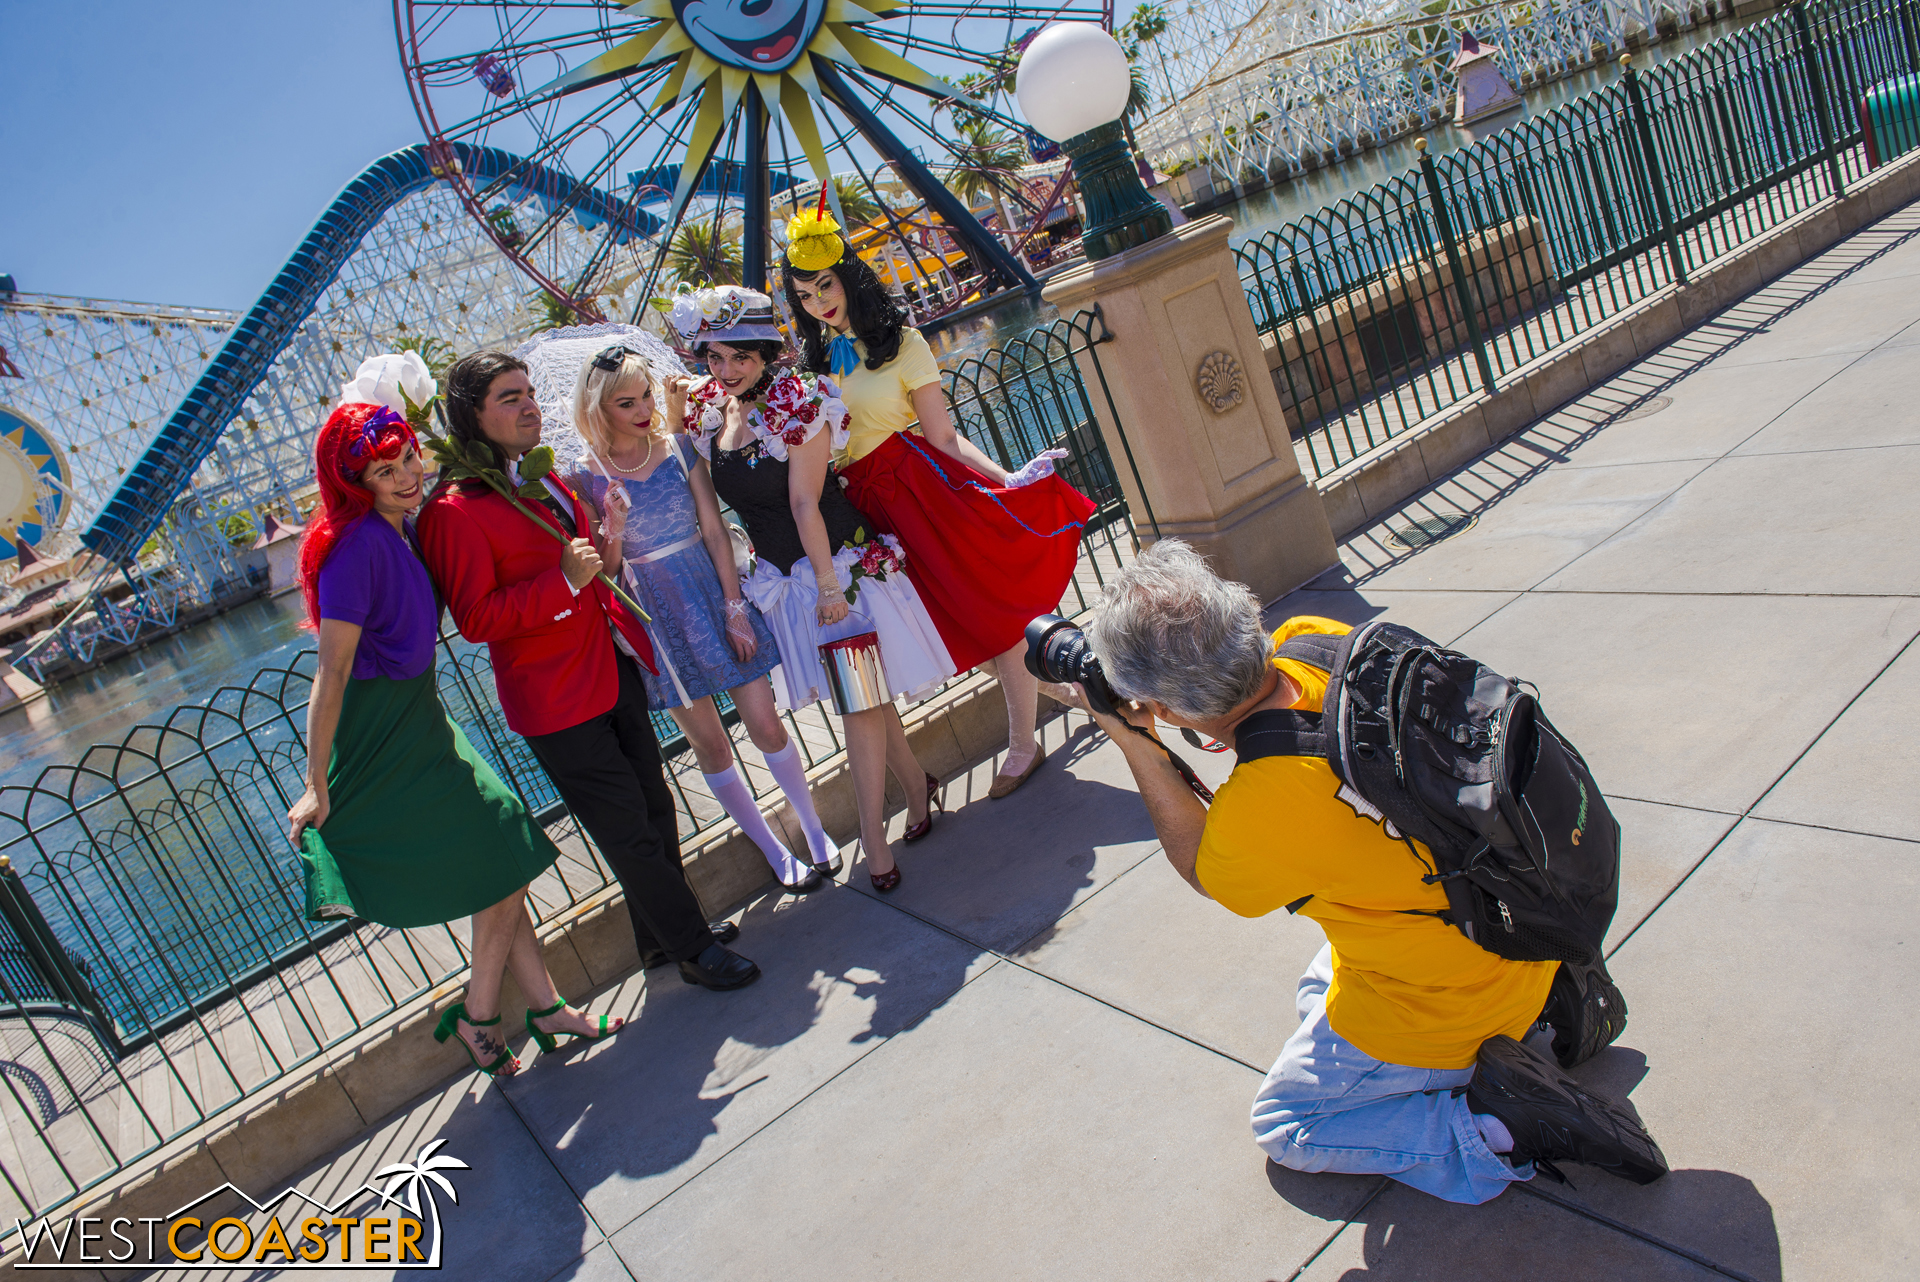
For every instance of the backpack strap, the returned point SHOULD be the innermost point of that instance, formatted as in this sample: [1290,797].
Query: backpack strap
[1315,649]
[1280,732]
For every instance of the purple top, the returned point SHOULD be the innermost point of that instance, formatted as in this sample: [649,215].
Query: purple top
[373,577]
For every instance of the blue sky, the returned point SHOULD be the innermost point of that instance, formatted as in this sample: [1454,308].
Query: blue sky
[177,152]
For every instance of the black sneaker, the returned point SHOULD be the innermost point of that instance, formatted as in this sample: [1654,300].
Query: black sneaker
[1553,1119]
[1586,1010]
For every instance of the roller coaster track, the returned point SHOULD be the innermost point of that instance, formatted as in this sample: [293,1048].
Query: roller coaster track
[141,502]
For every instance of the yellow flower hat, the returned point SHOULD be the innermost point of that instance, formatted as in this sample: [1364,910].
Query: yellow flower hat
[813,238]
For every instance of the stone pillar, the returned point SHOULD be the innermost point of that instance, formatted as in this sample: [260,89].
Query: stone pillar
[1190,384]
[17,689]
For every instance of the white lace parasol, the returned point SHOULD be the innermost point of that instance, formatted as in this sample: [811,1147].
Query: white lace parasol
[553,363]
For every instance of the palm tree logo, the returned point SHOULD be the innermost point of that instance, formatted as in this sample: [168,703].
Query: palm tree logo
[407,1184]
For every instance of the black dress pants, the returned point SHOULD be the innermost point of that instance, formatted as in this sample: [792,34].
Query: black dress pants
[608,771]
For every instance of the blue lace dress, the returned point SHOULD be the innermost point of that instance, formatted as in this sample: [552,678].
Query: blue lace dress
[670,574]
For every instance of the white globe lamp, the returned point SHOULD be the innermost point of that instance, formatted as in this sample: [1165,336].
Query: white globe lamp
[1072,85]
[1073,77]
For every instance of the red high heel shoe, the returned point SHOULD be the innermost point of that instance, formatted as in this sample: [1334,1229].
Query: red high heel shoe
[925,826]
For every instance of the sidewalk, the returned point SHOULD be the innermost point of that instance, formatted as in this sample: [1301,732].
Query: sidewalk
[1035,1059]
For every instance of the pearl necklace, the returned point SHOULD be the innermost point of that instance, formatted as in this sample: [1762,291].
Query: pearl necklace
[641,467]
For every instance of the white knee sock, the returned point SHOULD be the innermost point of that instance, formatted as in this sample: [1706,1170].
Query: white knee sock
[791,774]
[731,791]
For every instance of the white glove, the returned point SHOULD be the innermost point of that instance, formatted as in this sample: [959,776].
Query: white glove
[1038,467]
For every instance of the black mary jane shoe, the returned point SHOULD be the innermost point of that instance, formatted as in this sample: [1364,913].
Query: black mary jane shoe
[811,881]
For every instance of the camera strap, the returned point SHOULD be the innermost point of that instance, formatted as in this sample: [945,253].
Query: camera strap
[1192,780]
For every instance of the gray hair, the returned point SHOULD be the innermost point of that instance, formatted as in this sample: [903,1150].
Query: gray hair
[1171,630]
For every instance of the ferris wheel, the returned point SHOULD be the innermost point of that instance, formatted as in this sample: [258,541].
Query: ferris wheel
[679,126]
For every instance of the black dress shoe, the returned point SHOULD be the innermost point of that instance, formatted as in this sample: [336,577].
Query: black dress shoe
[1553,1119]
[719,968]
[1586,1010]
[724,932]
[810,881]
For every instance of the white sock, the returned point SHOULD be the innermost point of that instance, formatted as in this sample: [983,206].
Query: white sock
[1494,1132]
[731,791]
[791,774]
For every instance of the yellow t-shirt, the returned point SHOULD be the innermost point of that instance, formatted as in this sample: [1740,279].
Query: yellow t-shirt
[881,400]
[1407,989]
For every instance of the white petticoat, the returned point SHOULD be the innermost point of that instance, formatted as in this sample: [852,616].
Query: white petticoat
[911,651]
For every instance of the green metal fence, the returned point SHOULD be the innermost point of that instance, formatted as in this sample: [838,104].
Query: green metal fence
[1403,300]
[155,966]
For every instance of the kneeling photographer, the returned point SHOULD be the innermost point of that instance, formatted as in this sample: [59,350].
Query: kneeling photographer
[1409,1058]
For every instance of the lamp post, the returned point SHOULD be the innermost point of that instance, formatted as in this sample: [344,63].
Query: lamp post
[1072,86]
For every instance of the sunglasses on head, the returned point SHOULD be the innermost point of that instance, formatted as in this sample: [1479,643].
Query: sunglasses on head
[613,358]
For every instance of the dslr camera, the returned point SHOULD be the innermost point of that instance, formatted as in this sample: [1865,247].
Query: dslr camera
[1058,651]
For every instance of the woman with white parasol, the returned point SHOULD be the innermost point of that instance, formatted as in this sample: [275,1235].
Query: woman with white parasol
[661,523]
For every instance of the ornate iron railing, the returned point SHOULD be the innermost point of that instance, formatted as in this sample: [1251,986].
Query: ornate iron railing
[156,967]
[1398,302]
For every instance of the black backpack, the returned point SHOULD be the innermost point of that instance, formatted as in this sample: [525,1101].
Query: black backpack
[1461,759]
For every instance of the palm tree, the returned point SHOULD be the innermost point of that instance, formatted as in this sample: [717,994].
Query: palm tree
[409,1183]
[855,202]
[1148,23]
[984,161]
[548,312]
[438,353]
[705,254]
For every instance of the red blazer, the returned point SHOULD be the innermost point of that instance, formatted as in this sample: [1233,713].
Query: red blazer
[553,657]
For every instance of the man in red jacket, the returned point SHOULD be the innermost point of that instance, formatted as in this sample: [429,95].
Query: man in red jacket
[550,628]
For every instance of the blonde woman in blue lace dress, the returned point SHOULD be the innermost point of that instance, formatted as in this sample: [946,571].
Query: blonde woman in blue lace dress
[661,522]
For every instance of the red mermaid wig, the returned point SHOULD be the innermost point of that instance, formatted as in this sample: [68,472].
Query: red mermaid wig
[352,438]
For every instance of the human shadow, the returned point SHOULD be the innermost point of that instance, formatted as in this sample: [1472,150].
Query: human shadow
[1001,874]
[1595,1226]
[599,1134]
[696,1073]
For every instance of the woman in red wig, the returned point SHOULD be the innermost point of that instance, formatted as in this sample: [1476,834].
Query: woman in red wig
[402,823]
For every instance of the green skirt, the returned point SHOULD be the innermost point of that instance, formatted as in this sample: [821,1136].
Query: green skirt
[421,829]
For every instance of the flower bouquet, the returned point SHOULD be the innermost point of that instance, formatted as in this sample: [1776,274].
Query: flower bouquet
[878,559]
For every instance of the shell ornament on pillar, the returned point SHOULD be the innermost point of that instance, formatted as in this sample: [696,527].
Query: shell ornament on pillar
[1219,381]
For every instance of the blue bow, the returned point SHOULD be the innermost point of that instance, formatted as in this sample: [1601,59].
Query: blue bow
[842,358]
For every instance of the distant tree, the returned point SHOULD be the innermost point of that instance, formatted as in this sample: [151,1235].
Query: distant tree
[856,201]
[1148,23]
[985,160]
[705,254]
[438,353]
[546,312]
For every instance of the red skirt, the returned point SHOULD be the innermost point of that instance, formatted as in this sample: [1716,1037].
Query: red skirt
[985,560]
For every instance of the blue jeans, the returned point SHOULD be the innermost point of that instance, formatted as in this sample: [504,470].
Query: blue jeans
[1329,1106]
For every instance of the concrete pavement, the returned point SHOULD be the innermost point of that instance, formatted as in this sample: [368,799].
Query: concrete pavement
[1035,1059]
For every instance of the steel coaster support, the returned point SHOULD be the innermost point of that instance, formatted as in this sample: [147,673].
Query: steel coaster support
[958,218]
[753,259]
[140,503]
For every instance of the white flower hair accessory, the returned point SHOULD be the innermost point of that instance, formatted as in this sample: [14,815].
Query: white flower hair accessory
[398,380]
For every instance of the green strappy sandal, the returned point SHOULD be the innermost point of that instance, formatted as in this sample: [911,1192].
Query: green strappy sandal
[550,1040]
[504,1061]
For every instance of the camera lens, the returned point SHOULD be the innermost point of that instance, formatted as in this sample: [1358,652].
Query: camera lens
[1058,651]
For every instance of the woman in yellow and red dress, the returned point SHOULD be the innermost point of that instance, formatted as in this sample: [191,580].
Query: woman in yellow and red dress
[987,550]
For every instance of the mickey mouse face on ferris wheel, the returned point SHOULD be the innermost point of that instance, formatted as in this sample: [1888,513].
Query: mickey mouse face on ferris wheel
[757,35]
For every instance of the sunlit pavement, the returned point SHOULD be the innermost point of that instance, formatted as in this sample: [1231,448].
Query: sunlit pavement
[1035,1059]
